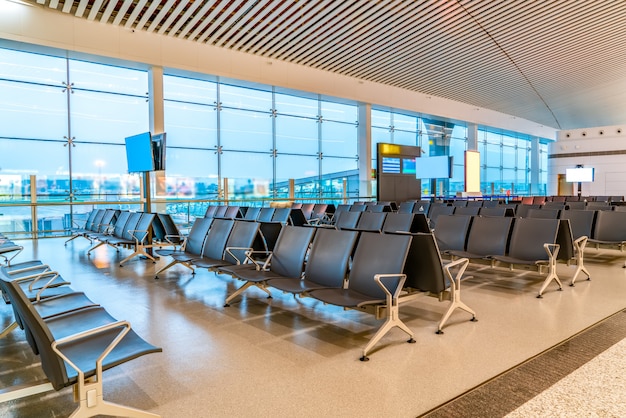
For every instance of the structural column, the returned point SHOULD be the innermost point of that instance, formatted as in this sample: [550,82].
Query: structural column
[365,149]
[157,125]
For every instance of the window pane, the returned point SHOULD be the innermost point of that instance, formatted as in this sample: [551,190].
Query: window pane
[191,173]
[189,90]
[108,78]
[190,125]
[296,106]
[339,112]
[246,131]
[296,167]
[522,159]
[457,151]
[334,171]
[405,138]
[339,139]
[33,157]
[107,118]
[247,166]
[508,157]
[381,118]
[22,104]
[34,68]
[245,98]
[405,122]
[493,138]
[296,135]
[492,155]
[100,172]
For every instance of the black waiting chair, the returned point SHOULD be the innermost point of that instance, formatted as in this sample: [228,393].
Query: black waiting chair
[609,230]
[534,242]
[375,281]
[192,247]
[405,222]
[451,232]
[287,260]
[326,266]
[347,220]
[467,210]
[488,236]
[240,240]
[436,211]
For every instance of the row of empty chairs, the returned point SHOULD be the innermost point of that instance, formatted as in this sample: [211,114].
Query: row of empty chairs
[9,249]
[348,268]
[75,338]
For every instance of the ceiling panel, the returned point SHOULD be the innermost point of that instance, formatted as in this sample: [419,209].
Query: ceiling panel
[561,63]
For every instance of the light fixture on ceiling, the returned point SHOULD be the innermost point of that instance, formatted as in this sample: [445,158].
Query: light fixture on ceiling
[23,3]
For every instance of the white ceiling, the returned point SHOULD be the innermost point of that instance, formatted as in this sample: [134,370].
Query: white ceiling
[560,63]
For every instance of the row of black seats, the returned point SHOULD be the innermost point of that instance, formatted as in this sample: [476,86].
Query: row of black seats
[513,242]
[337,266]
[75,338]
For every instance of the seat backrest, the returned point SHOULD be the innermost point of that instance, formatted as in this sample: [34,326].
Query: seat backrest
[307,209]
[423,266]
[528,237]
[451,232]
[220,211]
[477,203]
[467,210]
[328,260]
[143,229]
[539,200]
[252,213]
[554,205]
[406,207]
[109,219]
[295,205]
[377,254]
[297,218]
[90,218]
[358,208]
[97,220]
[490,203]
[493,211]
[581,222]
[543,213]
[610,226]
[131,226]
[347,220]
[522,210]
[120,224]
[281,215]
[436,211]
[290,250]
[197,235]
[371,221]
[527,200]
[619,208]
[210,211]
[170,230]
[575,205]
[378,208]
[459,203]
[265,215]
[602,205]
[565,239]
[558,199]
[400,222]
[232,212]
[216,238]
[241,238]
[423,206]
[319,211]
[489,235]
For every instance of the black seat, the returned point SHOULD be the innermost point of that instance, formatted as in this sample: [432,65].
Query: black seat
[171,238]
[214,243]
[543,213]
[347,220]
[534,242]
[405,222]
[287,260]
[494,211]
[375,280]
[451,232]
[609,230]
[436,211]
[487,236]
[87,227]
[252,213]
[192,248]
[467,210]
[406,207]
[76,347]
[240,241]
[371,221]
[327,263]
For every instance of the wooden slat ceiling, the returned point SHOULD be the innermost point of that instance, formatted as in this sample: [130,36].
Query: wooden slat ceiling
[560,63]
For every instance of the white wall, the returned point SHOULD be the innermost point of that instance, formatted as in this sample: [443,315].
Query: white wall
[42,26]
[603,148]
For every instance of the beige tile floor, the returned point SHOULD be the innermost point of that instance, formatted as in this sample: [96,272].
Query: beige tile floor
[286,357]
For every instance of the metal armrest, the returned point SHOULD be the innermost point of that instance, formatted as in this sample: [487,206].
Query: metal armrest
[258,265]
[462,263]
[391,295]
[229,251]
[137,240]
[37,267]
[552,250]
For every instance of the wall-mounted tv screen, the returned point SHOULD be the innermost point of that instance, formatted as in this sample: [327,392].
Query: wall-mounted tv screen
[408,166]
[139,154]
[579,174]
[433,167]
[391,165]
[158,151]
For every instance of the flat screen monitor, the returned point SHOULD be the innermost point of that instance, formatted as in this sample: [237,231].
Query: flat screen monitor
[158,151]
[391,165]
[579,174]
[439,167]
[408,166]
[139,155]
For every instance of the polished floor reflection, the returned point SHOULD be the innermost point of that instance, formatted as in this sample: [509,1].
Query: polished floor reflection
[297,357]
